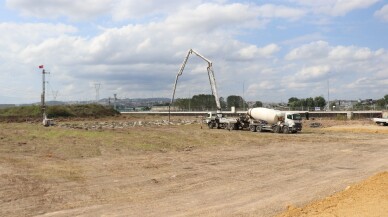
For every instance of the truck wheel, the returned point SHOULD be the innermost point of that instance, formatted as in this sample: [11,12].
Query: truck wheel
[259,129]
[210,125]
[252,128]
[276,129]
[286,130]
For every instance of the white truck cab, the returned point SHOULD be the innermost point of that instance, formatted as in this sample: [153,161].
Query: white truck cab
[293,121]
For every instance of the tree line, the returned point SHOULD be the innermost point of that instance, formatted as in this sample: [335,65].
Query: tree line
[295,103]
[383,102]
[203,102]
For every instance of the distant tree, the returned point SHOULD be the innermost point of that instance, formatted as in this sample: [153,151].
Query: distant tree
[319,101]
[162,104]
[381,102]
[183,104]
[258,104]
[236,101]
[200,102]
[310,102]
[293,99]
[203,102]
[294,102]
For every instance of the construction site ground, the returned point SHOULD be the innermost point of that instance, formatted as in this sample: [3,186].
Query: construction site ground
[185,169]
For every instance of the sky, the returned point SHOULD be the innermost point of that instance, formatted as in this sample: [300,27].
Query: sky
[261,50]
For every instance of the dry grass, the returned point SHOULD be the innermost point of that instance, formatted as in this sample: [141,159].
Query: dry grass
[43,167]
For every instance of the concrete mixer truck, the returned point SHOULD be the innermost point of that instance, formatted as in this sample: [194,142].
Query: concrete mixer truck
[264,119]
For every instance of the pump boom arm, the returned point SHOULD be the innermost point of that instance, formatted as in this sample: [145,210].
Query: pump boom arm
[210,72]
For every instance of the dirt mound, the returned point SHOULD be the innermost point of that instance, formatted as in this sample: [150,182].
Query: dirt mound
[368,198]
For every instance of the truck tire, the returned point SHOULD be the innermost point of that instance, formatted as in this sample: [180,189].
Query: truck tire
[210,125]
[252,128]
[286,130]
[259,128]
[276,129]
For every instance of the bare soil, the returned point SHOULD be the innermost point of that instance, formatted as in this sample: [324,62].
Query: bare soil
[184,170]
[368,198]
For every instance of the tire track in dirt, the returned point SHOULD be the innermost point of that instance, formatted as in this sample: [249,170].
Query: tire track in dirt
[241,181]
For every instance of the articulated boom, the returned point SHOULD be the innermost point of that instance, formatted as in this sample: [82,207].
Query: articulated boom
[210,73]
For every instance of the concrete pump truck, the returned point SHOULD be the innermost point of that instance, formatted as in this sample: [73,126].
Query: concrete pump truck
[213,120]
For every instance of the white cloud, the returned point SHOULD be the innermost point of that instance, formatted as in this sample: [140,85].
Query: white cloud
[132,9]
[313,73]
[210,17]
[350,67]
[16,36]
[77,10]
[352,53]
[382,14]
[369,83]
[131,57]
[261,87]
[194,11]
[252,51]
[280,11]
[304,39]
[322,50]
[335,7]
[317,49]
[141,57]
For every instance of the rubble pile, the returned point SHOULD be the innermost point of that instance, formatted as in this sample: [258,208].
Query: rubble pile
[123,124]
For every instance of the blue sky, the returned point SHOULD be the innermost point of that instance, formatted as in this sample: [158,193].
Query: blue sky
[264,50]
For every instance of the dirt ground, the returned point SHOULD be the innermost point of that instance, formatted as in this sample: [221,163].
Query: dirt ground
[368,198]
[188,171]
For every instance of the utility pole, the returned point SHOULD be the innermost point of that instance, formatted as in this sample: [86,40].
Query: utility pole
[46,122]
[43,92]
[97,87]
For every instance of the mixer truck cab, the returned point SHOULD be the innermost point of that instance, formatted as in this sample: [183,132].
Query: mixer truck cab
[293,121]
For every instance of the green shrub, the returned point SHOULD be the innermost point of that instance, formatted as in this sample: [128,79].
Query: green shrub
[34,111]
[21,111]
[58,111]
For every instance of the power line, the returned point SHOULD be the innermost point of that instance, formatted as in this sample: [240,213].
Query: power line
[53,92]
